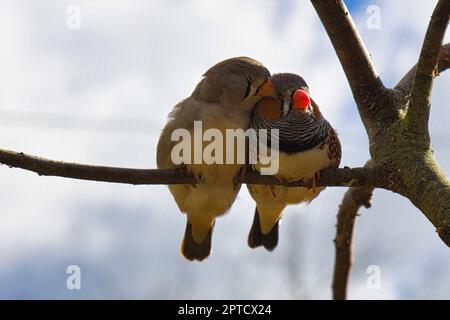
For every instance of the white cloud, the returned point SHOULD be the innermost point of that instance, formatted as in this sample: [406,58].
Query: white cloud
[135,61]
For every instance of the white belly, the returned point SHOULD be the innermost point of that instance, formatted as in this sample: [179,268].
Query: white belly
[302,165]
[215,193]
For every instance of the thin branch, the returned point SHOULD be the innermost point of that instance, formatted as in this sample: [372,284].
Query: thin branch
[353,200]
[419,106]
[351,51]
[406,83]
[341,177]
[45,167]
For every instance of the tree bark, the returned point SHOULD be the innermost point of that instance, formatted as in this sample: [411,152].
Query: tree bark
[353,200]
[419,105]
[396,121]
[345,177]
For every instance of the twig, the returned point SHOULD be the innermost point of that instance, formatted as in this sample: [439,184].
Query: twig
[406,83]
[353,200]
[419,106]
[351,51]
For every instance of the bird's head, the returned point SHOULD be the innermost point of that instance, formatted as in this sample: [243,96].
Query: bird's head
[236,83]
[293,92]
[291,95]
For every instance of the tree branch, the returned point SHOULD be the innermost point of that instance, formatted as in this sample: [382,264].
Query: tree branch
[428,188]
[351,51]
[45,167]
[419,106]
[401,157]
[353,200]
[406,83]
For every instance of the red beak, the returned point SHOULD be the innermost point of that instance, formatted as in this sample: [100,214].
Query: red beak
[301,99]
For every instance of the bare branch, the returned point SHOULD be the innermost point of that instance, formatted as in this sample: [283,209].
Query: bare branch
[427,186]
[406,83]
[353,199]
[419,106]
[45,167]
[351,51]
[341,177]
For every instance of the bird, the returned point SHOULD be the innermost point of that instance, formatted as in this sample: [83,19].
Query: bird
[223,99]
[307,144]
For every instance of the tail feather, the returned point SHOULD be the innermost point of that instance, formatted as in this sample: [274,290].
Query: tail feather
[256,238]
[192,250]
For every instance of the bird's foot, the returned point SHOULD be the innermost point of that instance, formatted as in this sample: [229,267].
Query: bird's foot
[272,189]
[281,182]
[197,177]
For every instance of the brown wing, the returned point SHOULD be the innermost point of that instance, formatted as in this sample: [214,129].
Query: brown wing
[334,149]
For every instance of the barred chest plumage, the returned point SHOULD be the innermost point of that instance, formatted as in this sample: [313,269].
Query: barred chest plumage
[306,145]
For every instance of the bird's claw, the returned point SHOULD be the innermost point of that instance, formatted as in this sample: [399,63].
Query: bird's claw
[272,189]
[281,181]
[198,178]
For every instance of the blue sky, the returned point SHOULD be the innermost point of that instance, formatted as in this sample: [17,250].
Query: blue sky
[101,94]
[358,6]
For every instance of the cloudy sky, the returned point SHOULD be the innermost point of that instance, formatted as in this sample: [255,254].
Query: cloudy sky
[100,94]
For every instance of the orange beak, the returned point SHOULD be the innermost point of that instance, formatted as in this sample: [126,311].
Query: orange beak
[301,99]
[266,90]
